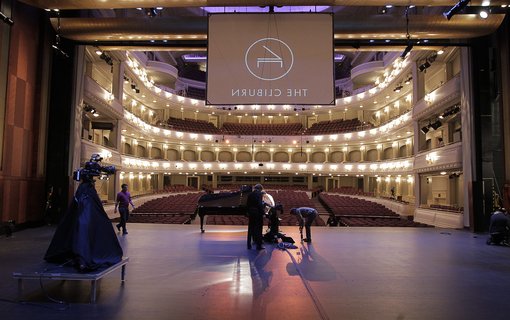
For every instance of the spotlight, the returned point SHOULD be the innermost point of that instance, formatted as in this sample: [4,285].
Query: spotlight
[90,109]
[484,14]
[424,66]
[104,56]
[455,9]
[398,88]
[151,12]
[436,125]
[425,129]
[6,19]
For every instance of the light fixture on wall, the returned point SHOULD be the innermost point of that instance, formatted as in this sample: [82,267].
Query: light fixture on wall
[436,124]
[424,66]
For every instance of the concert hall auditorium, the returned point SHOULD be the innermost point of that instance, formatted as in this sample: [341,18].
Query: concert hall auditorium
[389,118]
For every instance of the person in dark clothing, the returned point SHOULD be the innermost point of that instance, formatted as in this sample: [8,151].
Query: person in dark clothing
[332,220]
[123,201]
[306,216]
[255,210]
[499,229]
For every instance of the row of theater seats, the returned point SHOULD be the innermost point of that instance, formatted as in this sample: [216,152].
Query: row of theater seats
[264,129]
[179,203]
[175,189]
[279,129]
[191,125]
[291,199]
[351,191]
[378,222]
[353,212]
[286,219]
[180,208]
[347,206]
[335,126]
[158,218]
[268,187]
[195,93]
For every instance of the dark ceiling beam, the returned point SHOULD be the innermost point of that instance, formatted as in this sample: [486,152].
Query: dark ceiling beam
[376,27]
[129,4]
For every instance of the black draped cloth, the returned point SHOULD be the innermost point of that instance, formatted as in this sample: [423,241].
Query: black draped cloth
[85,235]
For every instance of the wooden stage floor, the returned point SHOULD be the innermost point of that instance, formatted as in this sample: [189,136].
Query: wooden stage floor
[176,272]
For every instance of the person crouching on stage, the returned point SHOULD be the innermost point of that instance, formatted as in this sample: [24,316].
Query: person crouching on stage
[499,229]
[306,216]
[256,210]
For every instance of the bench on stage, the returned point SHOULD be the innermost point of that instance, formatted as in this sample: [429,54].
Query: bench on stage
[69,273]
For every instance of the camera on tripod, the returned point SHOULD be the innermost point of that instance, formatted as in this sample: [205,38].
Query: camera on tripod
[93,168]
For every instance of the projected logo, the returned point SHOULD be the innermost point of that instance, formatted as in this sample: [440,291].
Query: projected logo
[269,59]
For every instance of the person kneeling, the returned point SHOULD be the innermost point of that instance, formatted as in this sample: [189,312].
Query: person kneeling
[499,229]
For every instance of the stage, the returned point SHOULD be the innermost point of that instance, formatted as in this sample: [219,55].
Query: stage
[177,272]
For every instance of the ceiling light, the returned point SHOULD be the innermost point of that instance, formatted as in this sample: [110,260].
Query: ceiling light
[483,14]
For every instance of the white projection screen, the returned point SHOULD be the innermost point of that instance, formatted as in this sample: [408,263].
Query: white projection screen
[275,58]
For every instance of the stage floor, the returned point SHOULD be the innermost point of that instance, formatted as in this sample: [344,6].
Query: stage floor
[176,272]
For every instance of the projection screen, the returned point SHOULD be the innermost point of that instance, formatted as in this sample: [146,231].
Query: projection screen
[283,58]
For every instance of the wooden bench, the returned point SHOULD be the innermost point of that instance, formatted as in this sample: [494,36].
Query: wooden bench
[69,273]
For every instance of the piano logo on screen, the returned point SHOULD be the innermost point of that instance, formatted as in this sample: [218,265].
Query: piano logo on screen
[269,59]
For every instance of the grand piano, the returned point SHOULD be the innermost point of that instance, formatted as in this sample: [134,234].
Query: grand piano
[223,203]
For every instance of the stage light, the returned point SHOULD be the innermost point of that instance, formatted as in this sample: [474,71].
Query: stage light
[455,9]
[424,66]
[6,19]
[151,12]
[435,125]
[484,14]
[104,56]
